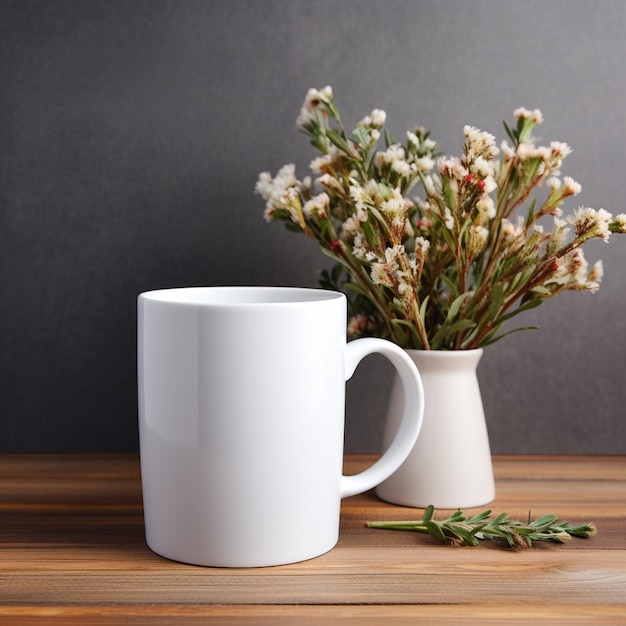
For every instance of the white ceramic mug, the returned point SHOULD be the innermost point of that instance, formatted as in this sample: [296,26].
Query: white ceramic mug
[241,422]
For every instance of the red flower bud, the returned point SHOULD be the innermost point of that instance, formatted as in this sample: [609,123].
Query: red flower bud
[336,247]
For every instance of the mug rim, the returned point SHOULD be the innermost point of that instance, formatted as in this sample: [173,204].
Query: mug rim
[240,296]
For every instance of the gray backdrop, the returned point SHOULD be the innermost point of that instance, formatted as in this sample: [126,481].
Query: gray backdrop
[131,136]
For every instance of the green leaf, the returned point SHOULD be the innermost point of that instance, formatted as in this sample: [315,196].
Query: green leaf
[449,196]
[497,300]
[379,217]
[500,518]
[456,305]
[517,279]
[338,140]
[355,287]
[448,237]
[403,326]
[371,235]
[452,286]
[541,290]
[531,212]
[336,272]
[544,522]
[466,536]
[423,308]
[510,133]
[293,227]
[530,304]
[359,136]
[510,332]
[332,109]
[449,331]
[428,513]
[479,517]
[435,531]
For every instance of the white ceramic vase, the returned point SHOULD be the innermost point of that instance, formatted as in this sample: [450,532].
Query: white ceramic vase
[450,466]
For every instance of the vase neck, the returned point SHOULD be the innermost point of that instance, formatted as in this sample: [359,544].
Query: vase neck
[446,360]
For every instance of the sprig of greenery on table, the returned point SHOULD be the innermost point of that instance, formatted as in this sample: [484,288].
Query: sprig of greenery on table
[468,531]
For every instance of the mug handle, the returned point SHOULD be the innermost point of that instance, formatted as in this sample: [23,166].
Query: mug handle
[412,418]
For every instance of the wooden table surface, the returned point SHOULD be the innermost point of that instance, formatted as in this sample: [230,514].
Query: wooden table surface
[72,551]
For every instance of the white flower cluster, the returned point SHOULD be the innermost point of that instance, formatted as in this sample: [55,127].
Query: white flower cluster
[572,272]
[279,191]
[313,99]
[536,116]
[376,119]
[590,223]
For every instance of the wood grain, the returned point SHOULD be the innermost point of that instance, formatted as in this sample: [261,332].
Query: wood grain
[72,550]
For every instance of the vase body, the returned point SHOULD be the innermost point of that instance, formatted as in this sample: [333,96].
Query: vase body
[450,466]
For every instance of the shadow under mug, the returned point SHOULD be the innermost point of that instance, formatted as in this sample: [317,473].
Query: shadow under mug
[241,422]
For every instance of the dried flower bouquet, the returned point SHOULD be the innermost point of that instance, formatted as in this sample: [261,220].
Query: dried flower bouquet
[446,268]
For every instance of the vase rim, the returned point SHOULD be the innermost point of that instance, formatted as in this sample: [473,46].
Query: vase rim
[441,353]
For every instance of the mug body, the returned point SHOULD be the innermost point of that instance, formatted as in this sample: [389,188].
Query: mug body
[241,420]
